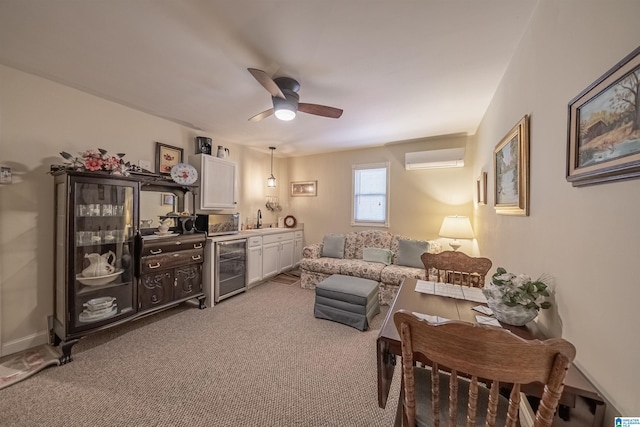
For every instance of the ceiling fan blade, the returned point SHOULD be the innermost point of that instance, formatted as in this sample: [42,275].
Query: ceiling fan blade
[262,115]
[266,81]
[320,110]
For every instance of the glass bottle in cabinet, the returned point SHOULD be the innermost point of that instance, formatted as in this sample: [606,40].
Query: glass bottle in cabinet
[96,220]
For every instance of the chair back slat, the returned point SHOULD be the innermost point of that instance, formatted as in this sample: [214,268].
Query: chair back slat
[485,359]
[457,268]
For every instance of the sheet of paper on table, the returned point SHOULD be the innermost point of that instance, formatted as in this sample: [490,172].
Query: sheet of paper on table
[429,318]
[483,309]
[451,291]
[487,321]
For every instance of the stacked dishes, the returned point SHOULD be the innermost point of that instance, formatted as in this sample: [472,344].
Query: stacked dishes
[98,309]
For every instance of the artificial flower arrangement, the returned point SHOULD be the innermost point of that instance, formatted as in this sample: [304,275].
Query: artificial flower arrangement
[521,290]
[97,160]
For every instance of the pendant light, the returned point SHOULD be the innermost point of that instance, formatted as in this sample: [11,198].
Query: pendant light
[271,181]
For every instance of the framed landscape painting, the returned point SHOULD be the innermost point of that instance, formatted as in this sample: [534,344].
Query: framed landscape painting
[603,142]
[511,171]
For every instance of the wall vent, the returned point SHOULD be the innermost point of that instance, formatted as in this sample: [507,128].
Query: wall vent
[433,159]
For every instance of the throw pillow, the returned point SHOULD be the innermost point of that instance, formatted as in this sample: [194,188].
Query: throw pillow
[409,252]
[376,255]
[333,246]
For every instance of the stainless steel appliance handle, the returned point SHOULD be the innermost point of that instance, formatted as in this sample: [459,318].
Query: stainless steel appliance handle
[230,242]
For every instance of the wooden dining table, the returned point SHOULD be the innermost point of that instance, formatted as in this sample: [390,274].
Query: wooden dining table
[407,298]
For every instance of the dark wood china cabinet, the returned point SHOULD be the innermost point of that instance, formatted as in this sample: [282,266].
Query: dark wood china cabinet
[108,270]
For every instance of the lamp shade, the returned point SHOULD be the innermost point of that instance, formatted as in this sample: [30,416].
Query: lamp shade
[456,227]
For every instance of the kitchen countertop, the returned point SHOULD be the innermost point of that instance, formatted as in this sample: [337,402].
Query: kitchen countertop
[245,234]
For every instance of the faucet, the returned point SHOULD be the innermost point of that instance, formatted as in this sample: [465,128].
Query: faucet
[259,224]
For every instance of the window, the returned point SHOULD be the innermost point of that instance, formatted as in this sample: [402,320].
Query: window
[371,195]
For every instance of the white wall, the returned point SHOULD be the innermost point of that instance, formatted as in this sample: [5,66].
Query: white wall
[585,237]
[419,199]
[38,119]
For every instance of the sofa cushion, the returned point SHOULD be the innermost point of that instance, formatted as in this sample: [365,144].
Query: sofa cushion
[372,239]
[377,255]
[409,252]
[322,265]
[333,246]
[350,244]
[360,268]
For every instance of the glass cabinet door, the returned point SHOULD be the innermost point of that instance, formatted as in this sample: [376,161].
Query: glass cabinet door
[102,226]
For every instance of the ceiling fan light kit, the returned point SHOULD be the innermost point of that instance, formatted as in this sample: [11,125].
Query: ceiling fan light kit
[285,98]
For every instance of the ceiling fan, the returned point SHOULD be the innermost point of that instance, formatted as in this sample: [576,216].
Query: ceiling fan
[284,94]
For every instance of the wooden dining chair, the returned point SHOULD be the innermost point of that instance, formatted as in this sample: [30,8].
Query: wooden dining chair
[457,268]
[469,364]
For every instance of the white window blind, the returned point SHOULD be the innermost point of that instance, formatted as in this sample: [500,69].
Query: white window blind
[370,195]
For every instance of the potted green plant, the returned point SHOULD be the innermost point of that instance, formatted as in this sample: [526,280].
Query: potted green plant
[516,299]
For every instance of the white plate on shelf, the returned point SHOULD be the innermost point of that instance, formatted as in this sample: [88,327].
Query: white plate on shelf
[99,280]
[184,174]
[88,316]
[101,303]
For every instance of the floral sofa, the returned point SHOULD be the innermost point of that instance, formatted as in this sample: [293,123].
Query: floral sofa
[363,256]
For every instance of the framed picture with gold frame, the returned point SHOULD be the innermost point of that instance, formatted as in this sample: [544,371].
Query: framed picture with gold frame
[603,143]
[511,171]
[167,156]
[304,188]
[481,189]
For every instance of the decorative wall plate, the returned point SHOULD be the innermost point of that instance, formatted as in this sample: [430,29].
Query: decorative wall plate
[184,174]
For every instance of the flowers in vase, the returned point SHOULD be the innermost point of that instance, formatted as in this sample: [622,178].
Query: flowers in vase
[520,289]
[97,160]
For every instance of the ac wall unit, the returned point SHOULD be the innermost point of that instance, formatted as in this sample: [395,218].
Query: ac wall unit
[432,159]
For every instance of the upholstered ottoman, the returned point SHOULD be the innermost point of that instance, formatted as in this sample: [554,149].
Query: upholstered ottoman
[348,300]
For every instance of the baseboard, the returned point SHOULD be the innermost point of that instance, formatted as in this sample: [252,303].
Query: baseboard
[24,343]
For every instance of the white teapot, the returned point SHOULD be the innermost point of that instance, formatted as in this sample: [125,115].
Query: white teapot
[100,265]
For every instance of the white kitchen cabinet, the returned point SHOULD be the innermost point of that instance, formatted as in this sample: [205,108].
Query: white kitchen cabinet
[254,260]
[285,260]
[270,253]
[297,247]
[277,253]
[217,180]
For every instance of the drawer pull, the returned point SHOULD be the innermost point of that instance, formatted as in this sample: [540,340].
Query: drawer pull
[198,246]
[196,258]
[156,252]
[157,265]
[178,243]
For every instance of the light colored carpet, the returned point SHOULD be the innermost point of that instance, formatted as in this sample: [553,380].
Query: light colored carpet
[259,358]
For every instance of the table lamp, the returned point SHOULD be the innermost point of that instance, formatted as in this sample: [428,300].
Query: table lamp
[456,227]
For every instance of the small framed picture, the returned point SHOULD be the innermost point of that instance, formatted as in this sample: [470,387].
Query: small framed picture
[167,156]
[304,188]
[203,145]
[481,189]
[5,175]
[511,171]
[168,198]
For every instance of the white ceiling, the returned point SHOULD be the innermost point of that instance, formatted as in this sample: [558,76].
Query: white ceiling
[399,69]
